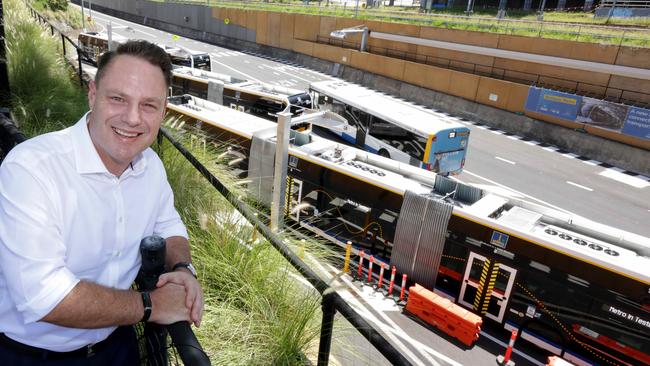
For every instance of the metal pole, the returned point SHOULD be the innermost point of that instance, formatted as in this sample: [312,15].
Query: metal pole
[5,93]
[356,10]
[280,173]
[109,30]
[83,16]
[326,330]
[364,39]
[469,7]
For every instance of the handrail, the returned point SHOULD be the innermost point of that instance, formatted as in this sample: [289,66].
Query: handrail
[332,301]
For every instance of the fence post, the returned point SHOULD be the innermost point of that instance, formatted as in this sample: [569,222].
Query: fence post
[81,80]
[325,344]
[63,44]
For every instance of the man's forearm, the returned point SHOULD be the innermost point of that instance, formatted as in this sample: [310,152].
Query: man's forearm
[89,306]
[178,250]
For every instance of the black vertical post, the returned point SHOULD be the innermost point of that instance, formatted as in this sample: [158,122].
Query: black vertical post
[81,79]
[5,93]
[63,44]
[325,344]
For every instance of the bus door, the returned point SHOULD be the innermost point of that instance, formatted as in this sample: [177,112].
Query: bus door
[487,286]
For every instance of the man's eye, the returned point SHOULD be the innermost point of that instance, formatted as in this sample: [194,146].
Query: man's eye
[151,107]
[117,99]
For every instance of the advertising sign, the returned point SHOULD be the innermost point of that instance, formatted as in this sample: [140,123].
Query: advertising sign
[553,103]
[637,123]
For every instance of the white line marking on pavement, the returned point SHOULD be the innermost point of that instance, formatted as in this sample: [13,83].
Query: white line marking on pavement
[579,186]
[505,160]
[518,192]
[237,71]
[290,74]
[592,162]
[513,137]
[617,175]
[531,142]
[551,148]
[570,155]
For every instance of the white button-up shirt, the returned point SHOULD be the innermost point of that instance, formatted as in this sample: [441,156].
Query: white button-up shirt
[65,218]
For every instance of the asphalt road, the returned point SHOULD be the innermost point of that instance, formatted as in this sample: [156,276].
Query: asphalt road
[495,161]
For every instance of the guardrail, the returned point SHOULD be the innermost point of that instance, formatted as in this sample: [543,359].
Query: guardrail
[332,301]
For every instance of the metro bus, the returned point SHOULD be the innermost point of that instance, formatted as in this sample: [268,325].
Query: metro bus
[393,128]
[94,44]
[570,286]
[260,99]
[182,56]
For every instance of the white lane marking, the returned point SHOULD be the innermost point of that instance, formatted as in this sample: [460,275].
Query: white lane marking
[570,155]
[498,132]
[505,160]
[592,162]
[482,127]
[514,350]
[290,74]
[531,142]
[247,62]
[579,186]
[237,71]
[276,73]
[518,192]
[215,55]
[551,148]
[617,175]
[514,137]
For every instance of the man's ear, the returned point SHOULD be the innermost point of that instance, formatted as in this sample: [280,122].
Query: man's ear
[92,94]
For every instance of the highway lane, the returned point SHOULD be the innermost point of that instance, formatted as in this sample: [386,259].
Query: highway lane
[493,159]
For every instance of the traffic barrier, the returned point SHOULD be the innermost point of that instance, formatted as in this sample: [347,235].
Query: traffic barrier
[505,359]
[557,361]
[372,260]
[348,252]
[360,269]
[381,276]
[392,281]
[443,314]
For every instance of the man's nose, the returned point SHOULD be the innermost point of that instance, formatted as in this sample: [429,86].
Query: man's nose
[131,115]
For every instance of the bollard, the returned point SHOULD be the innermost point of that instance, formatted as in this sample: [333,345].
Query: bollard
[392,281]
[401,293]
[381,276]
[505,360]
[372,260]
[361,253]
[348,251]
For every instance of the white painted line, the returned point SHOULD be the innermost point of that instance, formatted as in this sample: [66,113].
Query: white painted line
[579,186]
[505,160]
[237,71]
[498,132]
[482,127]
[519,193]
[290,74]
[551,148]
[514,350]
[215,55]
[514,137]
[247,62]
[570,155]
[276,73]
[592,162]
[531,142]
[636,182]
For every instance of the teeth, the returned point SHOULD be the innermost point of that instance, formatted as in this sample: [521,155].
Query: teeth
[124,133]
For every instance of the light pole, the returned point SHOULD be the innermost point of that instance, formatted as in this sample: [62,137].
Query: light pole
[365,32]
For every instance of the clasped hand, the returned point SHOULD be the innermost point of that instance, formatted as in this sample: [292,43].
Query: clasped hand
[178,297]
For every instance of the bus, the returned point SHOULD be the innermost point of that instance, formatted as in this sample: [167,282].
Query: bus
[569,286]
[182,56]
[254,97]
[94,44]
[393,128]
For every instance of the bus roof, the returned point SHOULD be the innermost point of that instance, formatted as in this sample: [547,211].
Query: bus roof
[403,114]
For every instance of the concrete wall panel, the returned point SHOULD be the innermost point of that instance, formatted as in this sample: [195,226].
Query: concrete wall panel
[634,57]
[327,25]
[392,68]
[358,60]
[463,85]
[517,97]
[608,134]
[415,73]
[625,83]
[251,19]
[493,92]
[287,24]
[556,121]
[604,53]
[331,53]
[304,47]
[306,27]
[273,29]
[261,35]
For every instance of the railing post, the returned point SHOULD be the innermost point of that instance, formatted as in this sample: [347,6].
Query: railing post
[325,344]
[81,80]
[63,44]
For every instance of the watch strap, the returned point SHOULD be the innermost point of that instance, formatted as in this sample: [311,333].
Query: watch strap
[185,265]
[146,302]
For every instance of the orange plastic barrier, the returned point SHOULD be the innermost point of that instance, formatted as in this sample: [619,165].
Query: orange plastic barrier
[557,361]
[444,315]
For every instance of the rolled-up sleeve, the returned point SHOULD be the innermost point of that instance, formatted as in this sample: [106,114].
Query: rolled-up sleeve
[32,250]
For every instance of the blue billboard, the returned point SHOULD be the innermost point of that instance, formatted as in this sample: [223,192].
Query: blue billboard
[637,123]
[553,103]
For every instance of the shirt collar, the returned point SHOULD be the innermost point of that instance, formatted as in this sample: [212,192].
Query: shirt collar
[87,158]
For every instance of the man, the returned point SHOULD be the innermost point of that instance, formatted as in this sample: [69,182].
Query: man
[74,205]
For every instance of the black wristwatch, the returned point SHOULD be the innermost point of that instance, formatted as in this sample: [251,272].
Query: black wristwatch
[187,265]
[146,302]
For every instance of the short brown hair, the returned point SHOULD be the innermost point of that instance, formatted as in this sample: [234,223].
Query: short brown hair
[141,49]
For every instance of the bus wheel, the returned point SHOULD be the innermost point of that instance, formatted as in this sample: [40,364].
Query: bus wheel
[384,153]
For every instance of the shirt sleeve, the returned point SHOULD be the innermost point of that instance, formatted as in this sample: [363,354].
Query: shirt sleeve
[169,222]
[32,250]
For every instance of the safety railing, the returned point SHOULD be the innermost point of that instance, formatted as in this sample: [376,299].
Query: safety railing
[549,82]
[332,302]
[625,4]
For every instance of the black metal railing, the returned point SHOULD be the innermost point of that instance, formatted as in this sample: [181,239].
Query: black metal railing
[332,301]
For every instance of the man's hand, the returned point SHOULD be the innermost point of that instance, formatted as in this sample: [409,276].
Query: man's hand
[193,292]
[168,305]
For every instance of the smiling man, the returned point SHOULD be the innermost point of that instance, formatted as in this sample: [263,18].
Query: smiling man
[74,205]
